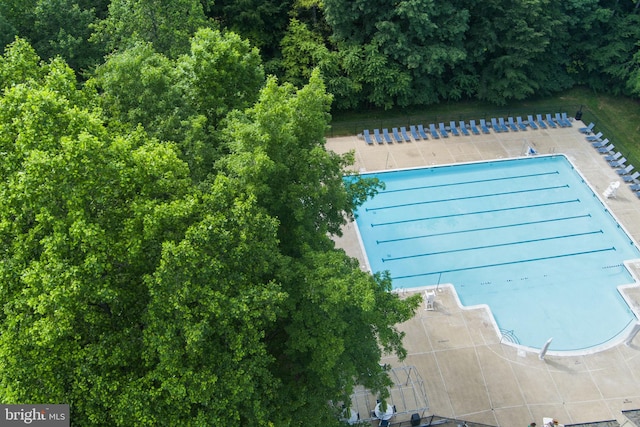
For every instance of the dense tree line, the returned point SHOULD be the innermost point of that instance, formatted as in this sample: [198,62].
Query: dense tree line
[371,53]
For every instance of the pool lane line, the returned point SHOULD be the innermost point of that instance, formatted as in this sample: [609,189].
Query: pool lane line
[470,230]
[496,245]
[427,218]
[533,175]
[505,263]
[475,196]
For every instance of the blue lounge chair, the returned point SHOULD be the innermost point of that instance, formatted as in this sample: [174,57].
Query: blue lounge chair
[560,121]
[511,124]
[625,171]
[454,129]
[367,137]
[617,163]
[532,123]
[631,178]
[474,128]
[396,135]
[592,138]
[521,124]
[599,144]
[494,124]
[414,132]
[606,149]
[611,157]
[434,132]
[403,132]
[566,120]
[463,128]
[550,121]
[587,129]
[443,131]
[387,137]
[635,187]
[541,122]
[377,136]
[502,124]
[422,133]
[484,127]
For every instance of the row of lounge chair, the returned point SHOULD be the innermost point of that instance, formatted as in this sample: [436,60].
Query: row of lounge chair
[461,128]
[615,159]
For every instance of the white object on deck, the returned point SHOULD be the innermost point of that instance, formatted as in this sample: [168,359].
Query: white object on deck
[611,190]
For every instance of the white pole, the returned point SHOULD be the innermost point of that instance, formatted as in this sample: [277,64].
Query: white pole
[544,349]
[632,334]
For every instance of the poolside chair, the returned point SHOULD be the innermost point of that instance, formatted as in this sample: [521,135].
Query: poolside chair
[443,131]
[429,300]
[541,122]
[625,171]
[611,157]
[403,132]
[635,187]
[512,124]
[463,128]
[494,124]
[367,137]
[521,124]
[632,177]
[617,163]
[599,144]
[454,129]
[532,122]
[396,135]
[387,137]
[595,137]
[434,132]
[421,131]
[502,124]
[414,132]
[484,127]
[567,120]
[607,149]
[587,129]
[474,128]
[550,121]
[377,136]
[560,121]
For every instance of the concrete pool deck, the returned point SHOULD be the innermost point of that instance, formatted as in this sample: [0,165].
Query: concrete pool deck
[468,373]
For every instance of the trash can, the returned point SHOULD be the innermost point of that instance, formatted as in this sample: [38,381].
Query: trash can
[415,420]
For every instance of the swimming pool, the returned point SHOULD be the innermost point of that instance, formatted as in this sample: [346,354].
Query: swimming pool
[527,237]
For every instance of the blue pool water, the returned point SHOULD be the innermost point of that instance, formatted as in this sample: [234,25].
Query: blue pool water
[528,237]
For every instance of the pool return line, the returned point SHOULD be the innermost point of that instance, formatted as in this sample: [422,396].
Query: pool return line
[427,218]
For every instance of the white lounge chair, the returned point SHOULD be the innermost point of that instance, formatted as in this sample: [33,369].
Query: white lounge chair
[429,300]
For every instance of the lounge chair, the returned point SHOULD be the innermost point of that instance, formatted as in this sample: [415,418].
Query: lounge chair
[367,137]
[494,124]
[532,123]
[502,124]
[421,131]
[606,149]
[454,129]
[484,127]
[541,122]
[592,138]
[377,136]
[560,121]
[443,131]
[403,132]
[512,124]
[387,137]
[463,128]
[434,132]
[567,120]
[625,171]
[632,177]
[550,121]
[587,129]
[396,135]
[611,157]
[474,128]
[521,124]
[617,163]
[414,132]
[599,144]
[635,187]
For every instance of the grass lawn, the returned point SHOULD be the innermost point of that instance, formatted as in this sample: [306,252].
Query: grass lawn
[618,118]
